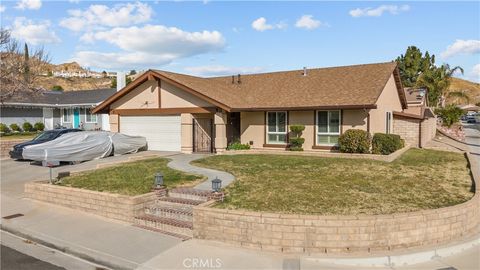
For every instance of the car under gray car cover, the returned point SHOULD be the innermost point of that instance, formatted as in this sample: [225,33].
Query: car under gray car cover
[85,145]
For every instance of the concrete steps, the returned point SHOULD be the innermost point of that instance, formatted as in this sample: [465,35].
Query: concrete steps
[173,215]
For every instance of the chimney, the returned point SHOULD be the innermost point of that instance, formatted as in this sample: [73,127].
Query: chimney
[304,71]
[239,81]
[120,80]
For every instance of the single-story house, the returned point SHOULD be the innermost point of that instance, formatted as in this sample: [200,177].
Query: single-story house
[71,109]
[417,124]
[178,112]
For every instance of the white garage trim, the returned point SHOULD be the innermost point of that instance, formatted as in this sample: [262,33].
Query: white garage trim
[163,133]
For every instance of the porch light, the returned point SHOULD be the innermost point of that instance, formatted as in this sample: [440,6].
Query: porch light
[216,184]
[158,179]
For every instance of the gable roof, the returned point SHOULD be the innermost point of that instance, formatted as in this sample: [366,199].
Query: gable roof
[357,86]
[62,99]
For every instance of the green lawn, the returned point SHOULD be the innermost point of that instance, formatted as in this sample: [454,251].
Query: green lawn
[131,178]
[18,136]
[420,179]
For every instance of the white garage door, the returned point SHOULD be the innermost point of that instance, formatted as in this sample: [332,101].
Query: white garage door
[163,133]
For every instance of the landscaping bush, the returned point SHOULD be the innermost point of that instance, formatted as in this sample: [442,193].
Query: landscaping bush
[57,88]
[355,141]
[15,127]
[4,128]
[450,114]
[237,145]
[386,144]
[27,127]
[296,142]
[39,126]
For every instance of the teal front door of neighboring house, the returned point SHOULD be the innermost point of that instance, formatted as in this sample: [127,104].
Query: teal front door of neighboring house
[76,118]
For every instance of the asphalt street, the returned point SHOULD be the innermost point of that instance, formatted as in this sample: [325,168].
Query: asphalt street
[14,260]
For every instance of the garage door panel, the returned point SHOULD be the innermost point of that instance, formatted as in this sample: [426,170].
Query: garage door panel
[163,133]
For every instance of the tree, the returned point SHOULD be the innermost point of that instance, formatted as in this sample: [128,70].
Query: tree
[57,88]
[133,72]
[437,81]
[19,70]
[113,83]
[413,64]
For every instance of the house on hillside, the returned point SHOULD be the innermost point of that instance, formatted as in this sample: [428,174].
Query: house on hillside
[178,112]
[70,109]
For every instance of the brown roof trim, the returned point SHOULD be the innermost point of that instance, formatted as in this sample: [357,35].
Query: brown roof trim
[408,115]
[162,111]
[149,75]
[398,83]
[333,107]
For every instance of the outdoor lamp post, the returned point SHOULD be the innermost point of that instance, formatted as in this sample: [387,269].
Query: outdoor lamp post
[216,184]
[158,180]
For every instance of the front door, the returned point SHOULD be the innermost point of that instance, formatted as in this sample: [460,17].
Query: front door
[76,118]
[202,135]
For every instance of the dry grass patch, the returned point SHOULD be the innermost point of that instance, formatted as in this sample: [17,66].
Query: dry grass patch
[420,179]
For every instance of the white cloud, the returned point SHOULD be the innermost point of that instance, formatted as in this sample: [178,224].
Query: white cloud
[150,45]
[261,25]
[96,16]
[29,4]
[475,73]
[2,8]
[461,46]
[220,70]
[33,33]
[308,22]
[378,11]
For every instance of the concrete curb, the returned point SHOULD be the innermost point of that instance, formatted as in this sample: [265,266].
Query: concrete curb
[400,259]
[92,257]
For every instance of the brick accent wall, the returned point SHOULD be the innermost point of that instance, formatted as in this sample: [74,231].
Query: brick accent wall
[339,234]
[408,129]
[114,206]
[6,145]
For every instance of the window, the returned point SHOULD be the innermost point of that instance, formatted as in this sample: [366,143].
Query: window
[89,117]
[388,123]
[277,127]
[67,115]
[328,127]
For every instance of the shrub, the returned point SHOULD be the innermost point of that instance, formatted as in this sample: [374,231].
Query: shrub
[15,127]
[450,114]
[27,127]
[57,88]
[237,145]
[386,144]
[355,141]
[4,128]
[39,126]
[295,140]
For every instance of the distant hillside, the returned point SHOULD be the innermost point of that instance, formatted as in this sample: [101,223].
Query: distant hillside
[472,89]
[72,84]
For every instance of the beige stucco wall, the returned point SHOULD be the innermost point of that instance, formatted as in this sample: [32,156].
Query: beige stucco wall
[429,129]
[187,132]
[145,96]
[252,128]
[113,119]
[174,97]
[253,125]
[388,101]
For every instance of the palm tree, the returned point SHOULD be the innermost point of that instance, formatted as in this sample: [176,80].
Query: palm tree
[437,80]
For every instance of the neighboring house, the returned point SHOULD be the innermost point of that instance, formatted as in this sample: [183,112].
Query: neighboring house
[178,112]
[55,108]
[417,124]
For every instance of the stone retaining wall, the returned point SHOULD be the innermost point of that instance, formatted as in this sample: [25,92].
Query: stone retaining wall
[6,145]
[340,234]
[114,206]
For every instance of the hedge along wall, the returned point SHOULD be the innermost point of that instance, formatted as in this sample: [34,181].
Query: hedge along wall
[114,206]
[339,234]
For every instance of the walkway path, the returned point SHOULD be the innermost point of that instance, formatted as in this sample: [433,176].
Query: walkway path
[181,162]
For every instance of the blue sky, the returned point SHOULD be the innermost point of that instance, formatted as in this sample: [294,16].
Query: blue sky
[223,38]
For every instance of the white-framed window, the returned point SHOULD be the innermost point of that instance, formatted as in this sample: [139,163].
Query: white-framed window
[67,115]
[276,127]
[388,122]
[89,117]
[328,127]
